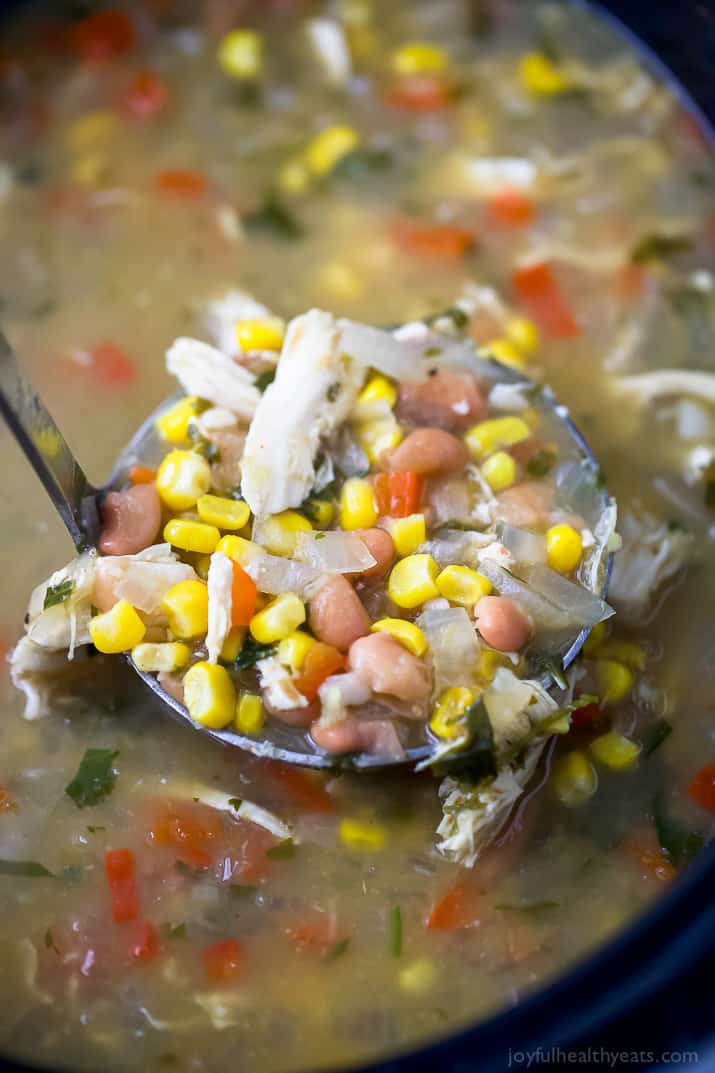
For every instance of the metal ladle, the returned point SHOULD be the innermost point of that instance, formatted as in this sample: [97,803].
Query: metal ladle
[79,505]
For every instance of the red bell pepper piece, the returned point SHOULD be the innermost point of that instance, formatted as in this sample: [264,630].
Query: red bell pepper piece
[222,961]
[320,662]
[305,788]
[189,828]
[457,909]
[702,787]
[119,866]
[243,597]
[419,93]
[511,208]
[398,494]
[145,945]
[540,294]
[103,36]
[111,366]
[443,242]
[144,97]
[142,475]
[180,182]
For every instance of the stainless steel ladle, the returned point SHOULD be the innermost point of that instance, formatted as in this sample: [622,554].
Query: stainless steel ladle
[79,505]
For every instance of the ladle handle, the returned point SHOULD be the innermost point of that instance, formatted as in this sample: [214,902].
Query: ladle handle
[47,451]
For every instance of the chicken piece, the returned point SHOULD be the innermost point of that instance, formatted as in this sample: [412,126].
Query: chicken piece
[204,371]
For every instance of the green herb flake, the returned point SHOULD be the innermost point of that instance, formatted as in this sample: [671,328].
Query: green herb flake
[319,536]
[338,950]
[333,391]
[27,869]
[477,759]
[394,924]
[57,594]
[678,843]
[235,803]
[458,317]
[94,779]
[655,735]
[251,653]
[274,219]
[710,495]
[50,942]
[432,352]
[541,463]
[171,932]
[362,162]
[283,851]
[203,446]
[93,829]
[552,666]
[658,247]
[264,379]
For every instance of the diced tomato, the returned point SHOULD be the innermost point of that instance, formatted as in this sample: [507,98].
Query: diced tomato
[702,787]
[119,866]
[144,97]
[145,944]
[631,281]
[419,93]
[180,182]
[643,849]
[398,494]
[243,597]
[7,801]
[457,909]
[142,475]
[321,661]
[443,242]
[189,828]
[103,36]
[111,366]
[315,933]
[305,788]
[511,208]
[540,294]
[588,716]
[222,961]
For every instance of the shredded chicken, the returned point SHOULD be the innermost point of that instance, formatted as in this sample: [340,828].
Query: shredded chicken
[207,372]
[652,552]
[331,48]
[220,587]
[222,315]
[279,689]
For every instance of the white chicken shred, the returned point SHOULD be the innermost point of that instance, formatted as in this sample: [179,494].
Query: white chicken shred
[279,689]
[209,373]
[651,554]
[222,315]
[220,585]
[330,45]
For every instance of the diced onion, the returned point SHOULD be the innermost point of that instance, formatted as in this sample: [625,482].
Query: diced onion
[274,574]
[457,546]
[334,552]
[526,547]
[453,645]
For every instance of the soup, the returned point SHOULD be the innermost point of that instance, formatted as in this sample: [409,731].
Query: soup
[172,904]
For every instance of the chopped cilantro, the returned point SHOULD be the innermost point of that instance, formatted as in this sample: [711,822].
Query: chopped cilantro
[319,536]
[93,829]
[29,869]
[678,844]
[283,851]
[251,653]
[338,950]
[271,217]
[362,162]
[710,495]
[477,759]
[172,931]
[541,463]
[235,803]
[333,391]
[458,317]
[264,379]
[202,445]
[395,931]
[94,779]
[57,594]
[657,247]
[655,735]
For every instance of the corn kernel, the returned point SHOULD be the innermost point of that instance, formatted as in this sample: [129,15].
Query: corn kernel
[90,130]
[499,471]
[627,652]
[615,751]
[117,630]
[378,389]
[419,58]
[462,585]
[238,548]
[210,695]
[191,536]
[564,548]
[294,176]
[615,681]
[574,779]
[173,424]
[201,565]
[409,635]
[488,664]
[328,147]
[250,716]
[319,511]
[595,639]
[540,76]
[357,504]
[379,436]
[419,977]
[494,434]
[339,280]
[524,334]
[504,351]
[168,656]
[265,334]
[412,581]
[362,835]
[186,605]
[223,513]
[447,720]
[91,169]
[240,54]
[278,619]
[233,644]
[279,533]
[182,478]
[293,649]
[408,533]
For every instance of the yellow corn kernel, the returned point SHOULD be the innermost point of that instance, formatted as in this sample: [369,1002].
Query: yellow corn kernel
[505,351]
[279,533]
[408,533]
[201,565]
[328,147]
[186,605]
[462,585]
[167,656]
[182,478]
[362,835]
[540,76]
[90,170]
[524,334]
[210,695]
[413,581]
[378,436]
[293,176]
[564,548]
[233,644]
[222,512]
[238,548]
[191,536]
[574,779]
[419,977]
[357,504]
[489,662]
[615,680]
[264,334]
[615,751]
[339,281]
[378,389]
[494,434]
[447,717]
[118,629]
[293,649]
[627,652]
[406,633]
[499,471]
[595,639]
[319,511]
[90,130]
[419,58]
[250,716]
[240,54]
[278,619]
[173,424]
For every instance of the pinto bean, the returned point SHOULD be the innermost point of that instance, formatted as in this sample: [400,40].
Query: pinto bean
[130,520]
[429,450]
[378,737]
[337,615]
[380,545]
[526,504]
[387,667]
[503,624]
[447,398]
[294,717]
